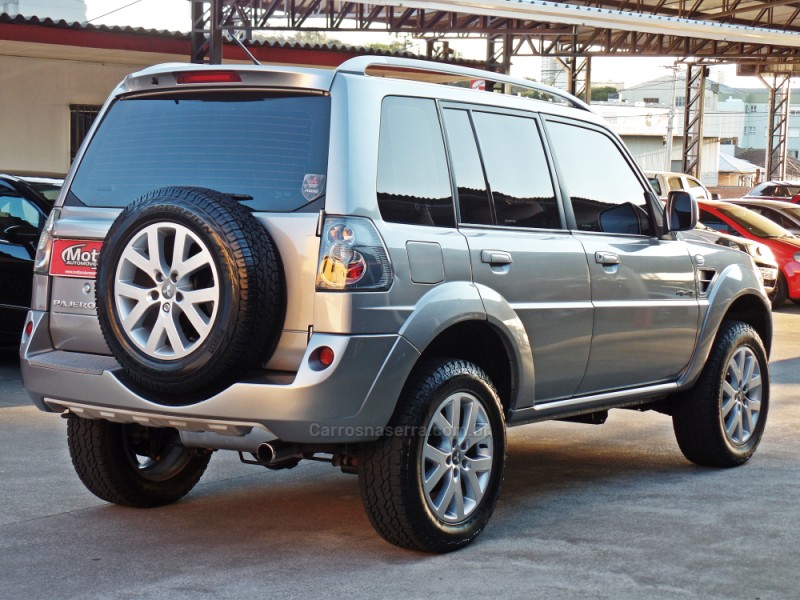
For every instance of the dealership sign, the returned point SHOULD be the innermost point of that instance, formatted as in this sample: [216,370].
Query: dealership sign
[75,258]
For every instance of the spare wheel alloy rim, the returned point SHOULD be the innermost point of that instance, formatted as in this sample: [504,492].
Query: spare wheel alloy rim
[457,457]
[166,291]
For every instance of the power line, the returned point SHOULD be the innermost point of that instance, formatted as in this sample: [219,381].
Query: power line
[112,12]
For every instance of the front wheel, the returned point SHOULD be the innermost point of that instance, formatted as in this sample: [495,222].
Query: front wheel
[133,465]
[780,292]
[722,420]
[432,482]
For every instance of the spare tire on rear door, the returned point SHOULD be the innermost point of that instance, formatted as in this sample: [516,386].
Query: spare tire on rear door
[190,293]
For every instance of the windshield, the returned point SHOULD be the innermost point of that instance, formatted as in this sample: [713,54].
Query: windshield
[753,223]
[775,190]
[270,152]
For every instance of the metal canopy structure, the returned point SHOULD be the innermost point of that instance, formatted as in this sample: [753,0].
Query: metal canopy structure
[746,32]
[761,37]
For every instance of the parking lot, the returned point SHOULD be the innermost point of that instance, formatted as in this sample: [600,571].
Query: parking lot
[586,511]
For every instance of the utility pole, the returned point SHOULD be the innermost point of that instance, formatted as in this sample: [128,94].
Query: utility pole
[671,118]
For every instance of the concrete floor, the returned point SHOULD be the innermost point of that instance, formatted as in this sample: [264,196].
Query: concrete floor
[610,511]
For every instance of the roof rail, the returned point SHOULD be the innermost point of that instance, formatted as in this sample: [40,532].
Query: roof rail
[360,64]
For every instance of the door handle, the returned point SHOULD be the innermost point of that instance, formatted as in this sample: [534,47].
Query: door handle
[606,258]
[496,257]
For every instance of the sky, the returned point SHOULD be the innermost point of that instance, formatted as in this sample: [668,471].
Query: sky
[174,15]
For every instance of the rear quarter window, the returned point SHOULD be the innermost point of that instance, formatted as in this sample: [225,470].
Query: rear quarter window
[413,182]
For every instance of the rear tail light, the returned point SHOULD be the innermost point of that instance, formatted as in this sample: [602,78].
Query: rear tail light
[352,256]
[41,264]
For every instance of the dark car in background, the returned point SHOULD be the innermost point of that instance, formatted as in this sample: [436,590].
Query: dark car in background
[25,203]
[788,191]
[740,221]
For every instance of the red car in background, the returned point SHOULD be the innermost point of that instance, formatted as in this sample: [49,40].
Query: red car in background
[737,220]
[788,191]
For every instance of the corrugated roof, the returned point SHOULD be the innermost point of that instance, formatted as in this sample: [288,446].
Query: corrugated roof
[178,36]
[731,164]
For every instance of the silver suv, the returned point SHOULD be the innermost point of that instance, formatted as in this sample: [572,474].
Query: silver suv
[368,266]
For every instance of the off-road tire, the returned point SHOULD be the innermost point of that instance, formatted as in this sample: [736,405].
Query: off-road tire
[104,455]
[390,475]
[699,418]
[780,292]
[250,303]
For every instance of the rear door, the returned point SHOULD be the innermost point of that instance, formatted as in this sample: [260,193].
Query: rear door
[519,247]
[642,287]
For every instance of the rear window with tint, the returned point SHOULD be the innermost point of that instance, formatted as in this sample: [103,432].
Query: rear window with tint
[271,152]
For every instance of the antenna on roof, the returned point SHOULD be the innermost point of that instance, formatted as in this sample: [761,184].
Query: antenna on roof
[243,47]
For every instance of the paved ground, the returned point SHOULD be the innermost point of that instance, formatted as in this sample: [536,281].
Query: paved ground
[586,512]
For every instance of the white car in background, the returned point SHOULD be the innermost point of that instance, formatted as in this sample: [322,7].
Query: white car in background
[663,182]
[761,254]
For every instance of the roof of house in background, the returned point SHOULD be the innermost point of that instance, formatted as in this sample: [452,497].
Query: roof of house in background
[731,164]
[114,39]
[757,156]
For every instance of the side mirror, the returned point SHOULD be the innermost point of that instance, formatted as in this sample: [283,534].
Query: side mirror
[682,211]
[21,234]
[716,196]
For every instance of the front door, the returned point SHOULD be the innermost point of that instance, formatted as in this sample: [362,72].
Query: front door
[643,287]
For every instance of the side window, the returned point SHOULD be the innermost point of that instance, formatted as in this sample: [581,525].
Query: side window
[655,185]
[413,178]
[675,183]
[473,195]
[605,194]
[517,170]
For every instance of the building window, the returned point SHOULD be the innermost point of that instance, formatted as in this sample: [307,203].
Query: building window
[792,153]
[794,112]
[752,108]
[750,130]
[81,117]
[651,100]
[680,101]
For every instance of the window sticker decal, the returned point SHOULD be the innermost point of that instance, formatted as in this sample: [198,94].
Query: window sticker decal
[313,186]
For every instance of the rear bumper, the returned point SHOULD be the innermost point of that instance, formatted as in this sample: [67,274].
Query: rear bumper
[350,401]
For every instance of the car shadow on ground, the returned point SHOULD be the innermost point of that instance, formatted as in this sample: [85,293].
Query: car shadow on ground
[316,510]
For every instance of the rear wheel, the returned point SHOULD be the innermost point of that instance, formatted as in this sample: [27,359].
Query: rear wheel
[433,482]
[133,465]
[722,420]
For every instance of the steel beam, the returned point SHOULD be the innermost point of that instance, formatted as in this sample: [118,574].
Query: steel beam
[777,124]
[693,118]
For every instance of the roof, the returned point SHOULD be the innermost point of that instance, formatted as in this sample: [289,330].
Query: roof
[21,29]
[731,164]
[757,156]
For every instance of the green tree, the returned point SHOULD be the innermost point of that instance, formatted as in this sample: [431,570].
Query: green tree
[600,94]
